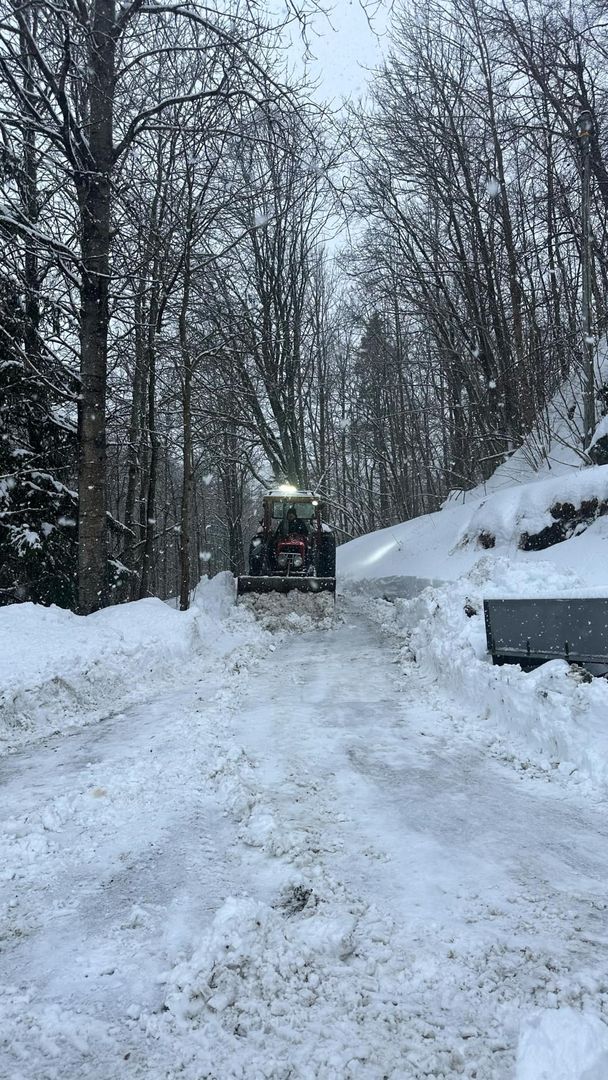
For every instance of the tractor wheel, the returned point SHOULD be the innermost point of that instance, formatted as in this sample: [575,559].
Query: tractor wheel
[326,557]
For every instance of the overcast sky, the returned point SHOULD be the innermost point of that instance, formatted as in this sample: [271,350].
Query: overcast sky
[343,46]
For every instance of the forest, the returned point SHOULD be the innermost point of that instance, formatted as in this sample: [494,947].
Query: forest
[212,281]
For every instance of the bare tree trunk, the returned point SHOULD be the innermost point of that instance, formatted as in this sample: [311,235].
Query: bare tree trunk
[94,197]
[187,480]
[232,484]
[29,198]
[134,445]
[150,500]
[188,470]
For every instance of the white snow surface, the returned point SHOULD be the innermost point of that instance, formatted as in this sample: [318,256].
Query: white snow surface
[557,1045]
[444,545]
[287,841]
[58,669]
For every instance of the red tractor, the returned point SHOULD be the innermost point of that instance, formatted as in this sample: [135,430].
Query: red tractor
[293,547]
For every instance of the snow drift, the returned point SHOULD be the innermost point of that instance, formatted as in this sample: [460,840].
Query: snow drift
[59,670]
[551,719]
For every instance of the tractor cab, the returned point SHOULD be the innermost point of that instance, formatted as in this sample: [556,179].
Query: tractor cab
[293,515]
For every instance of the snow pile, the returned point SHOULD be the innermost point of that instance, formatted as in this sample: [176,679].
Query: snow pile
[322,987]
[294,612]
[277,989]
[58,669]
[563,1045]
[549,717]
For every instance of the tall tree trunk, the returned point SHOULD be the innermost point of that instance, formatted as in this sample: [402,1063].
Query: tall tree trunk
[30,202]
[187,480]
[232,483]
[150,501]
[29,198]
[134,446]
[94,197]
[187,484]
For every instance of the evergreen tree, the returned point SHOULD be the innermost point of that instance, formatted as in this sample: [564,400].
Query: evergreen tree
[38,509]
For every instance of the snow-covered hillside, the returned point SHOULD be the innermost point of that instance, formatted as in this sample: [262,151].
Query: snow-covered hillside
[444,545]
[542,505]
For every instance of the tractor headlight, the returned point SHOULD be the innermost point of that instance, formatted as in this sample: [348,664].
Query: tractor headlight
[282,559]
[297,560]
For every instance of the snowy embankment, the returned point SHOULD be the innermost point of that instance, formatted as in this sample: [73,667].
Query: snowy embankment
[550,719]
[445,545]
[544,535]
[59,670]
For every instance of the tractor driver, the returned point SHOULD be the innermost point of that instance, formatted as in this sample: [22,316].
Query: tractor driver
[294,524]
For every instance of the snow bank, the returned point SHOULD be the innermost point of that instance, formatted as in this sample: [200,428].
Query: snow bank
[422,548]
[443,546]
[549,718]
[273,987]
[563,1044]
[525,508]
[58,669]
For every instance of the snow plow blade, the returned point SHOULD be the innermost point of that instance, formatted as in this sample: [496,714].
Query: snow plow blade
[248,585]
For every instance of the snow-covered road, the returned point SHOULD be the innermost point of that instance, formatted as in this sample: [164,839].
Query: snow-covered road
[301,867]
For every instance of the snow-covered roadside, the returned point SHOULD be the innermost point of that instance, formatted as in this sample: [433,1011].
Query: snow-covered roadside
[551,718]
[59,670]
[112,848]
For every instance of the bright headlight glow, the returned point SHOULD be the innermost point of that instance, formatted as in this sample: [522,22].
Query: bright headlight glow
[288,489]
